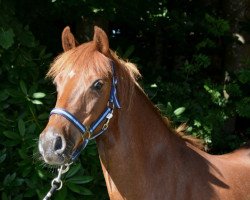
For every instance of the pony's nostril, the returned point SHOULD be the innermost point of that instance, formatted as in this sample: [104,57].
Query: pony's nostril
[58,147]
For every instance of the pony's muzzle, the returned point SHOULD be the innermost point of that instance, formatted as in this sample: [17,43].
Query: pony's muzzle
[52,147]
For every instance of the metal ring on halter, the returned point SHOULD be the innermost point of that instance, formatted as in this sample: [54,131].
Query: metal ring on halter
[111,105]
[58,181]
[67,168]
[86,135]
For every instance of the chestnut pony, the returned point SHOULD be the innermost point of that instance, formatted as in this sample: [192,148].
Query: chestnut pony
[142,158]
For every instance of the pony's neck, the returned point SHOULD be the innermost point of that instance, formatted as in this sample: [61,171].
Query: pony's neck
[137,145]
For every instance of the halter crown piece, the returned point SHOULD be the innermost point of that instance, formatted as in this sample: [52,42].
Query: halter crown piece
[88,133]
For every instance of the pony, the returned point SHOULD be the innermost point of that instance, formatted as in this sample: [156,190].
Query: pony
[142,157]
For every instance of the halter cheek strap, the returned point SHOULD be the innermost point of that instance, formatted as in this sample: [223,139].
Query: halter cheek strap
[113,92]
[87,133]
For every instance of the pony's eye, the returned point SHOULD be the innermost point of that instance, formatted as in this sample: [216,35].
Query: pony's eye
[97,85]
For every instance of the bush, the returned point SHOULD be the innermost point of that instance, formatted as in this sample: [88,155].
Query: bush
[25,100]
[178,48]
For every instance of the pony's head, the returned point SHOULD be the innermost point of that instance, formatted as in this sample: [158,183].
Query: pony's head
[83,77]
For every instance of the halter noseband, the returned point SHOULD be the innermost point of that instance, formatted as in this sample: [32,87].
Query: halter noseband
[87,132]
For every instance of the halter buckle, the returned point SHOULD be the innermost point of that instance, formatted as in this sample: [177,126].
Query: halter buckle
[109,116]
[111,105]
[87,134]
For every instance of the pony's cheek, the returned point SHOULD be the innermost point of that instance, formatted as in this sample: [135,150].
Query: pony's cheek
[90,105]
[89,110]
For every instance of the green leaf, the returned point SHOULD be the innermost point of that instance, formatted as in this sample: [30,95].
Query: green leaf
[14,93]
[7,38]
[41,174]
[73,170]
[244,76]
[31,128]
[62,194]
[23,87]
[86,191]
[243,107]
[79,189]
[11,143]
[43,116]
[169,108]
[9,178]
[27,170]
[2,158]
[75,188]
[37,102]
[39,95]
[179,111]
[216,26]
[81,179]
[189,129]
[11,135]
[21,127]
[26,38]
[22,153]
[202,61]
[197,123]
[3,95]
[92,151]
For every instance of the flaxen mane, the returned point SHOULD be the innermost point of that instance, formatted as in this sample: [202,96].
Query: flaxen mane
[82,59]
[180,131]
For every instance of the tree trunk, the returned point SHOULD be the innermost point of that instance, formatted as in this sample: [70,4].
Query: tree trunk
[237,53]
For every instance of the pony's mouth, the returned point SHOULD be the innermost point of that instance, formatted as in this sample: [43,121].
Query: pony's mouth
[55,159]
[59,160]
[51,157]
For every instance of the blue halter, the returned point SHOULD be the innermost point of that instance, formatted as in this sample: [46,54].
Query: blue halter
[107,114]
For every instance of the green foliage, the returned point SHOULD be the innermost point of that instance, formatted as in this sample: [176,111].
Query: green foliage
[243,76]
[178,46]
[6,38]
[216,26]
[216,96]
[197,82]
[243,107]
[25,100]
[198,63]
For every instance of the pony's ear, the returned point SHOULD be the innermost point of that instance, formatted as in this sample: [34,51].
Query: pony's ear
[68,39]
[101,40]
